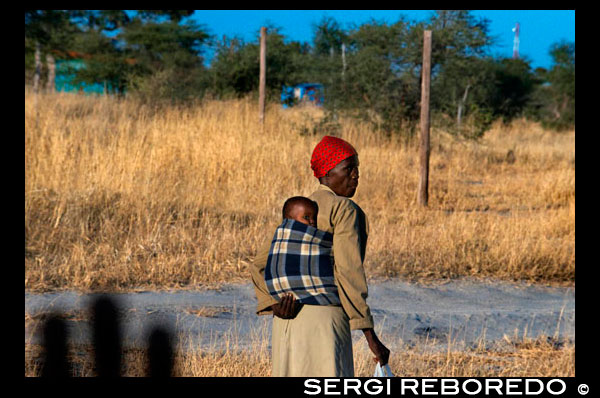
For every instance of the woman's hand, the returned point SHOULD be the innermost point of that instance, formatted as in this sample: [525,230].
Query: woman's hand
[382,354]
[287,308]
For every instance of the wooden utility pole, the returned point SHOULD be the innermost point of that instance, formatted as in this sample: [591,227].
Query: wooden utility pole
[424,142]
[263,74]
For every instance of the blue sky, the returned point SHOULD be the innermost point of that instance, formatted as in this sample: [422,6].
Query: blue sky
[539,29]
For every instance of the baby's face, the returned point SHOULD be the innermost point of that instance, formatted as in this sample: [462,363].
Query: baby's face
[304,214]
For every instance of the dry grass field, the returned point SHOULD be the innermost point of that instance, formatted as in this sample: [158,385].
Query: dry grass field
[518,357]
[120,196]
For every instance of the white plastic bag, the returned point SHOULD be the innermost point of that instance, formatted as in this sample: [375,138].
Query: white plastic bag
[384,371]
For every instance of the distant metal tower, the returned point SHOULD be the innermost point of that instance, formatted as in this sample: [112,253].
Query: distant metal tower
[516,42]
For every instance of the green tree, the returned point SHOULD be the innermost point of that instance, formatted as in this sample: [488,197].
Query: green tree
[235,68]
[514,83]
[171,15]
[105,62]
[325,59]
[382,72]
[379,81]
[102,20]
[460,71]
[159,45]
[562,83]
[47,32]
[155,54]
[553,100]
[460,96]
[328,37]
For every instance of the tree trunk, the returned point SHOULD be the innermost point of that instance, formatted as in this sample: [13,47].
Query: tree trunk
[343,59]
[50,84]
[263,75]
[461,104]
[38,68]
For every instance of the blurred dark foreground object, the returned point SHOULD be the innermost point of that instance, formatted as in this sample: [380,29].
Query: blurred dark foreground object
[106,345]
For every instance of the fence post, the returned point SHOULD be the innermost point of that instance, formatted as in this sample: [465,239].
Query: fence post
[263,74]
[424,142]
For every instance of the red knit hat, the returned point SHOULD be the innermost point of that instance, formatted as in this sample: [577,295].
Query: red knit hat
[328,153]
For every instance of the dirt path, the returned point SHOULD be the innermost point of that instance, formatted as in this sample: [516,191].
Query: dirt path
[463,312]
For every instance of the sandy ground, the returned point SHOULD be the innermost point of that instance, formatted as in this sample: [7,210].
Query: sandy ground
[465,313]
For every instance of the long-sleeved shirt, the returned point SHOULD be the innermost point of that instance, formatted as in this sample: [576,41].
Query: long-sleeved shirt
[348,224]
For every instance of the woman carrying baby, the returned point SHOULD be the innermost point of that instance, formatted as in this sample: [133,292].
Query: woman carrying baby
[315,339]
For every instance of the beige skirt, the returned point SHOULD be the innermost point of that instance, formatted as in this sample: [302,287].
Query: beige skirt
[317,343]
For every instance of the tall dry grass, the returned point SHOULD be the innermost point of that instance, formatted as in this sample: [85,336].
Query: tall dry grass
[120,196]
[519,358]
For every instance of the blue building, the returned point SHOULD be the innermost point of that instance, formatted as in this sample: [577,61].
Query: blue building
[67,65]
[302,93]
[65,78]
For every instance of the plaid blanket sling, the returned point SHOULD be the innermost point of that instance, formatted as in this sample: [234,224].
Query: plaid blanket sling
[300,262]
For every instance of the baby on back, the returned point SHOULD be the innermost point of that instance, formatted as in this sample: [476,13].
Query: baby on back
[300,261]
[301,209]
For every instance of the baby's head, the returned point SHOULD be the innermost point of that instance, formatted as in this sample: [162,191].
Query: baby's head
[302,210]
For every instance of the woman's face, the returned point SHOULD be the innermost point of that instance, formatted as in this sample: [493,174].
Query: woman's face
[343,178]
